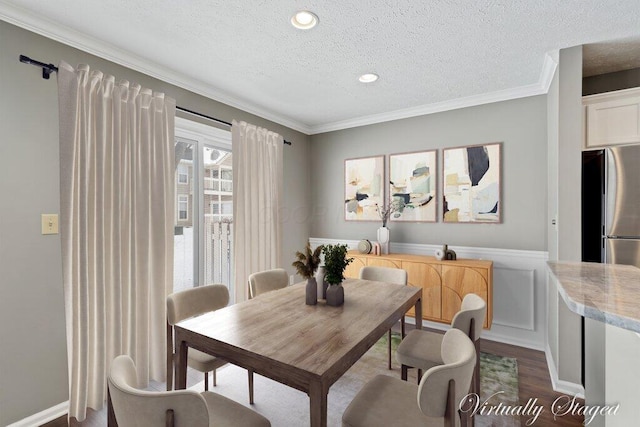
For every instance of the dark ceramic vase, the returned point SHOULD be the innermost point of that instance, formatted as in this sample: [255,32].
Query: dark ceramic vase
[311,291]
[335,295]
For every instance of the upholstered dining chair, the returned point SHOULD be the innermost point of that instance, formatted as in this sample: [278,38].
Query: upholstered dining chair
[133,407]
[265,281]
[189,303]
[387,401]
[421,349]
[396,276]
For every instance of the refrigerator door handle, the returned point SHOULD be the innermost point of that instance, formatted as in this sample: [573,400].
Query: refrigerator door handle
[610,202]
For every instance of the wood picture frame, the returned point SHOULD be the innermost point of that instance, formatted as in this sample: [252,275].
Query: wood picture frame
[363,188]
[413,186]
[471,183]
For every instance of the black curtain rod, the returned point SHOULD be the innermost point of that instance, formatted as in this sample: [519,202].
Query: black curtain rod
[213,119]
[47,69]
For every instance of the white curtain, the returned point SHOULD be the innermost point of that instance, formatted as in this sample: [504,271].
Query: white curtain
[257,198]
[116,223]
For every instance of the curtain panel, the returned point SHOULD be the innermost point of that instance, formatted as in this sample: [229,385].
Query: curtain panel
[116,221]
[257,199]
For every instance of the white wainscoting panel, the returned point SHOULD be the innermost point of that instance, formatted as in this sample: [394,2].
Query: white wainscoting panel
[513,293]
[519,289]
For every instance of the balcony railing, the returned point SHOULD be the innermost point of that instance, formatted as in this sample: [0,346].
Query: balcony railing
[214,184]
[218,250]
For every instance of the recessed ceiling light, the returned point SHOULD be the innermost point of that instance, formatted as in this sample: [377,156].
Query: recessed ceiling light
[304,20]
[368,78]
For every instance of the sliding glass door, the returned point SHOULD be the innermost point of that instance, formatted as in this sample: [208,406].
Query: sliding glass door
[203,245]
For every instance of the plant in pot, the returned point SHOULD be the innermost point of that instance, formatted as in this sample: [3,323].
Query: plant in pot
[306,266]
[335,262]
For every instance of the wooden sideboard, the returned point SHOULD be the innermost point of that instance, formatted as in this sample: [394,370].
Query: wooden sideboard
[443,283]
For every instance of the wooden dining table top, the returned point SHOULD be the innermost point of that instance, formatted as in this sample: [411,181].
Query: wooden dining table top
[277,331]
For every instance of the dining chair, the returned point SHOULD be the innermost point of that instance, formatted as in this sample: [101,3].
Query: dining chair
[421,349]
[133,407]
[387,401]
[189,303]
[396,276]
[265,281]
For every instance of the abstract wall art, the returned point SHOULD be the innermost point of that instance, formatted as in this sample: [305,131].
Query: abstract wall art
[364,190]
[412,186]
[471,184]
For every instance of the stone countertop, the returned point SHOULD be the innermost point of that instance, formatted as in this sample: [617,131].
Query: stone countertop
[609,293]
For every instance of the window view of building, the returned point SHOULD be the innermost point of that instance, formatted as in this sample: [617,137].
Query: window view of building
[204,206]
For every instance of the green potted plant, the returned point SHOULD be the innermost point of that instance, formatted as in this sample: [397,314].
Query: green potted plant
[306,266]
[335,262]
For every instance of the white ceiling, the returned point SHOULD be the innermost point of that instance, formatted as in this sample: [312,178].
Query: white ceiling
[431,55]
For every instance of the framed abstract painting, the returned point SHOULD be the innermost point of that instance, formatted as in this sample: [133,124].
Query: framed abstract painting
[363,188]
[471,184]
[413,186]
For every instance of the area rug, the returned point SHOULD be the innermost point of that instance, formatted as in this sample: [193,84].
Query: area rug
[287,407]
[498,385]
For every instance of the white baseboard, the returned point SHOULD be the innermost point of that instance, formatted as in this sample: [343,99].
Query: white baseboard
[559,385]
[43,417]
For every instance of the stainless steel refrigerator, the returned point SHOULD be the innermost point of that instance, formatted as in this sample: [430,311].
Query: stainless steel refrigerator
[611,205]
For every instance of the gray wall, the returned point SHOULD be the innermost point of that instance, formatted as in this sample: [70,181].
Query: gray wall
[611,81]
[520,124]
[553,105]
[569,173]
[33,373]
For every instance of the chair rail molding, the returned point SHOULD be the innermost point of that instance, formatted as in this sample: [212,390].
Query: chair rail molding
[519,289]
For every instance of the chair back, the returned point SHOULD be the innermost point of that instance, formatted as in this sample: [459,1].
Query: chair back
[473,307]
[139,408]
[192,302]
[396,276]
[459,357]
[266,281]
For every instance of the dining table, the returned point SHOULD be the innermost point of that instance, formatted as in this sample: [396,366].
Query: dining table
[307,347]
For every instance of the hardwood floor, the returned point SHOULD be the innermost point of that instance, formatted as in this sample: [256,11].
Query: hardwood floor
[534,382]
[533,378]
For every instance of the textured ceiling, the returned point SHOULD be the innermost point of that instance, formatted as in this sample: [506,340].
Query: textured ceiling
[247,54]
[602,58]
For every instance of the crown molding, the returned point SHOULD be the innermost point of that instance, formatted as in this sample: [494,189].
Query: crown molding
[549,68]
[541,88]
[44,27]
[39,25]
[437,107]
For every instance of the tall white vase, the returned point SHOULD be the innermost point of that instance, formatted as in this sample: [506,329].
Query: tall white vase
[322,284]
[383,239]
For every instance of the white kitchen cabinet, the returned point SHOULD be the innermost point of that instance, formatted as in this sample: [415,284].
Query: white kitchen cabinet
[612,118]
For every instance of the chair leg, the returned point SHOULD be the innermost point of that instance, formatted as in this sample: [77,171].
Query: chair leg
[419,375]
[215,380]
[170,373]
[250,372]
[206,381]
[404,371]
[402,327]
[389,347]
[476,370]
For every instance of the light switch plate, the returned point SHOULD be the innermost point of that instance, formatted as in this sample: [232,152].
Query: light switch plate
[49,223]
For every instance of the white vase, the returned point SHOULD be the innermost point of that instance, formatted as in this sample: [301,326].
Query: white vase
[322,284]
[383,239]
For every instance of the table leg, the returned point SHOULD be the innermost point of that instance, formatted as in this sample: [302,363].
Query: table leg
[418,311]
[181,364]
[318,404]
